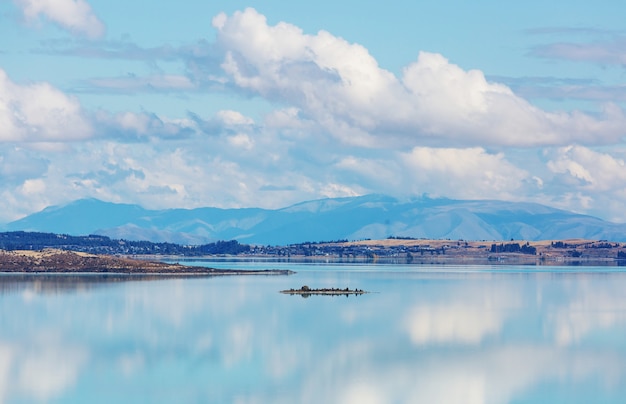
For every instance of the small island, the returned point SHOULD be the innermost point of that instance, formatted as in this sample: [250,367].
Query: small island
[72,262]
[306,291]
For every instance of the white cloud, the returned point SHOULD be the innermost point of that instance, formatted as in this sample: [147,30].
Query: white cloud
[33,187]
[289,122]
[134,122]
[342,126]
[75,16]
[241,141]
[452,324]
[590,312]
[455,322]
[468,173]
[239,346]
[130,125]
[49,372]
[41,370]
[595,171]
[163,172]
[380,171]
[6,358]
[341,87]
[229,117]
[39,112]
[333,190]
[589,181]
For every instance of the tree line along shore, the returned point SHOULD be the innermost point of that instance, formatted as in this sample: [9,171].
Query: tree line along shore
[458,251]
[396,249]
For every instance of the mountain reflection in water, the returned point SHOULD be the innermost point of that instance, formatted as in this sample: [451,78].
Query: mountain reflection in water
[429,335]
[59,283]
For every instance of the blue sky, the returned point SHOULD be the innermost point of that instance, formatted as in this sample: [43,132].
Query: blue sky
[265,104]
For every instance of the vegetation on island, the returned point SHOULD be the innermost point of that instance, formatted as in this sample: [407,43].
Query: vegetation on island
[306,291]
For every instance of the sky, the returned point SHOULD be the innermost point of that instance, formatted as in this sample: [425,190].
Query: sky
[265,103]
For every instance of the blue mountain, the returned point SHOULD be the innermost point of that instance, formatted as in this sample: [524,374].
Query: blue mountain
[355,218]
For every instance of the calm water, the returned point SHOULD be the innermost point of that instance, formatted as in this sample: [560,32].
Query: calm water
[428,335]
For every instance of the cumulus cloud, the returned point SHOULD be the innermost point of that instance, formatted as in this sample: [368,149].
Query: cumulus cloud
[232,169]
[76,16]
[40,370]
[224,121]
[590,312]
[230,117]
[341,125]
[38,112]
[385,173]
[452,324]
[131,126]
[594,171]
[471,173]
[341,87]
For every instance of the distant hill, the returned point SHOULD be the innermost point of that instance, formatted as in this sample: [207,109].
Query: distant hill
[355,218]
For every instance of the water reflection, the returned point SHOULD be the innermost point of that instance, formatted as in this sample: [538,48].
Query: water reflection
[454,337]
[58,283]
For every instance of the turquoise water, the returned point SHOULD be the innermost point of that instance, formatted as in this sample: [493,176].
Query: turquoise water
[429,334]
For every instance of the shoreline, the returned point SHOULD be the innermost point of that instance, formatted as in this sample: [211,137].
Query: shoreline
[51,261]
[219,272]
[500,260]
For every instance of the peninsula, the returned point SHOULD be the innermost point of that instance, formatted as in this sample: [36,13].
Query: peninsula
[60,261]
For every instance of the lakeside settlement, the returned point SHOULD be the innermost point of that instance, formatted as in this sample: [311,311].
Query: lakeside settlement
[427,251]
[47,252]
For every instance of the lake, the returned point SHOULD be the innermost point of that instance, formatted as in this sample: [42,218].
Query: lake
[426,334]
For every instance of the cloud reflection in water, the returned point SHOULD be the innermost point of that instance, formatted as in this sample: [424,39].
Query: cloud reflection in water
[436,338]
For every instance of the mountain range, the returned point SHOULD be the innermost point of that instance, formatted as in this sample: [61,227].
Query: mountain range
[352,218]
